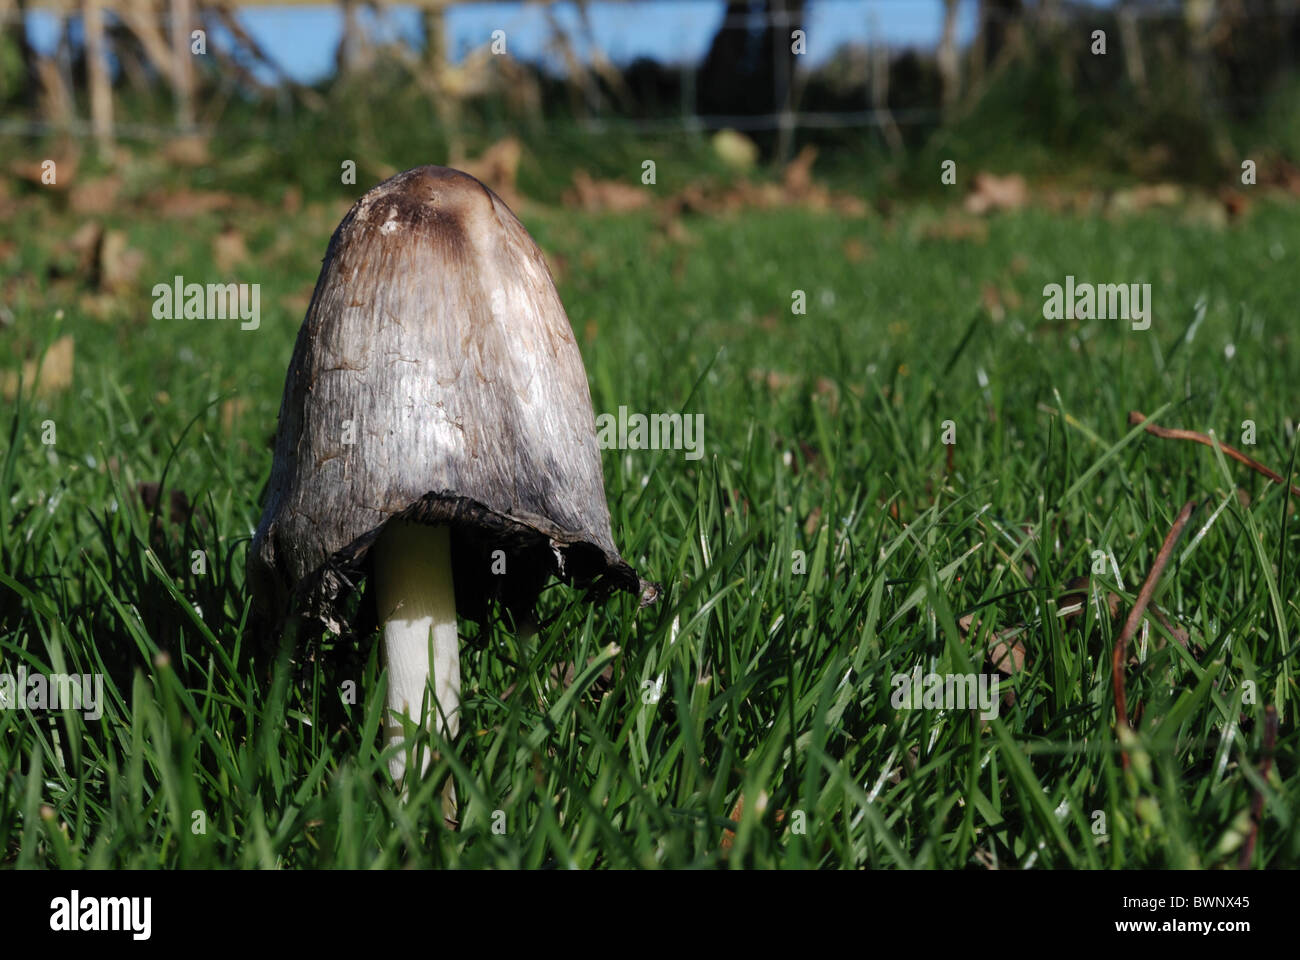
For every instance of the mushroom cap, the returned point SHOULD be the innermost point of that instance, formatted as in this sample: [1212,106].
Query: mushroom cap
[435,379]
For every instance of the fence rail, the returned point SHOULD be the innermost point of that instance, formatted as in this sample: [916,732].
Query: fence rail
[161,32]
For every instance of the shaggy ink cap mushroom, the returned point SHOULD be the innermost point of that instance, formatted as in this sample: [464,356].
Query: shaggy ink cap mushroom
[435,411]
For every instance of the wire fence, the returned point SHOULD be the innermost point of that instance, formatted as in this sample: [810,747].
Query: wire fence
[161,31]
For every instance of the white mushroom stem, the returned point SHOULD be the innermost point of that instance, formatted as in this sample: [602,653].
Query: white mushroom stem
[417,607]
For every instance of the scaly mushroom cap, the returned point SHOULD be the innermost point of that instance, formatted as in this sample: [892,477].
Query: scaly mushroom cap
[435,378]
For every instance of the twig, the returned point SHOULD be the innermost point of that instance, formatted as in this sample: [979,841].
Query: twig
[1257,805]
[1007,653]
[1139,608]
[225,13]
[1136,416]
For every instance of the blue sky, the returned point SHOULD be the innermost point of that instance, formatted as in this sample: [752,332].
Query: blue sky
[303,39]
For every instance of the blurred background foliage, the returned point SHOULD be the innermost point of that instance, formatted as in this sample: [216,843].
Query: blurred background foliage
[1184,92]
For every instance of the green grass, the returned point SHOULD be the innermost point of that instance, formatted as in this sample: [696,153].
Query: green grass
[822,435]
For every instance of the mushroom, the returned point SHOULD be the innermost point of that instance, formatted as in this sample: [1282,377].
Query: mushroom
[436,440]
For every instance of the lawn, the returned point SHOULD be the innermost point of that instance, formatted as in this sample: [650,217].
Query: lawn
[827,541]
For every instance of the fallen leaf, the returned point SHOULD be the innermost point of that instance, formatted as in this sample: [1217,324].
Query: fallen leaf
[855,251]
[830,390]
[232,411]
[228,249]
[119,265]
[676,231]
[738,811]
[992,301]
[85,244]
[1235,203]
[990,192]
[52,374]
[1007,655]
[295,303]
[498,167]
[956,227]
[189,151]
[797,189]
[814,521]
[797,176]
[1145,197]
[33,171]
[95,196]
[774,380]
[188,203]
[604,195]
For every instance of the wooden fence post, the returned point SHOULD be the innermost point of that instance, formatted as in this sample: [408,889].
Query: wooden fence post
[182,63]
[101,89]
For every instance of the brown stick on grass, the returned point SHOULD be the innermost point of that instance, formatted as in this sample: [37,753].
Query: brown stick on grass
[1137,416]
[1120,655]
[1257,805]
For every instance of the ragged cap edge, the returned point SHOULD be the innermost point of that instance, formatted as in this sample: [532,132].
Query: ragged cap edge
[319,593]
[650,592]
